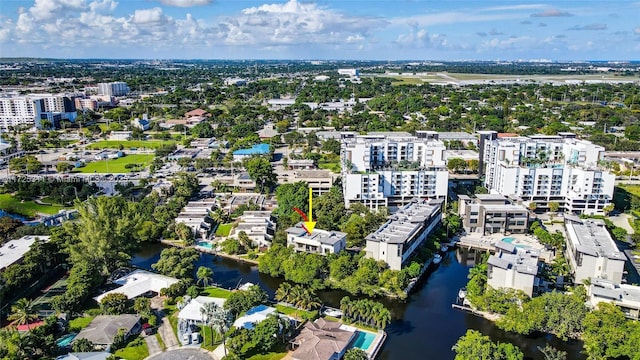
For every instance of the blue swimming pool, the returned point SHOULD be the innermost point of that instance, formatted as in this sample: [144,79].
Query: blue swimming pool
[66,340]
[363,340]
[510,240]
[205,244]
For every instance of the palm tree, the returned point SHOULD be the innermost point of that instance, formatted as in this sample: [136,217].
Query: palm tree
[23,312]
[284,292]
[221,322]
[346,306]
[204,275]
[208,311]
[383,318]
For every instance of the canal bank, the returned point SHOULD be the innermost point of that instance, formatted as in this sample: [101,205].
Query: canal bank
[423,326]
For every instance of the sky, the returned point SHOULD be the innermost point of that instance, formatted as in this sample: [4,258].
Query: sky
[321,29]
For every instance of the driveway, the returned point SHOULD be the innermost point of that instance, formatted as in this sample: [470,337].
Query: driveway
[182,354]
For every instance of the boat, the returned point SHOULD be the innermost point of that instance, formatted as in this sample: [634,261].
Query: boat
[462,293]
[444,248]
[437,258]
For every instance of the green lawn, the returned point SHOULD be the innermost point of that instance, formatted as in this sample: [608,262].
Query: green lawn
[127,144]
[291,311]
[80,323]
[216,292]
[135,350]
[28,208]
[333,166]
[160,341]
[224,229]
[207,334]
[116,165]
[279,352]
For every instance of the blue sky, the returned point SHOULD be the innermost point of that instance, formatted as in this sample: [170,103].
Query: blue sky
[324,29]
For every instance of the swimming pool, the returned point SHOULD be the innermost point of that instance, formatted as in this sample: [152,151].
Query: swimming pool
[66,340]
[510,240]
[205,244]
[363,340]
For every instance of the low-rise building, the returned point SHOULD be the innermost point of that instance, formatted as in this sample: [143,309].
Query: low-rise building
[13,251]
[120,135]
[254,316]
[196,215]
[321,242]
[320,181]
[396,240]
[139,283]
[322,340]
[492,213]
[626,297]
[202,143]
[192,311]
[591,251]
[255,150]
[303,164]
[259,226]
[103,329]
[513,268]
[142,124]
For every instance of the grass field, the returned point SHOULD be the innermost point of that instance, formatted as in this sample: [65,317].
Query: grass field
[216,292]
[224,229]
[29,208]
[135,350]
[287,310]
[80,323]
[116,165]
[128,144]
[333,166]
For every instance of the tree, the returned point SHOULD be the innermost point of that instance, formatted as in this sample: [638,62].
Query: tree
[23,312]
[453,223]
[288,197]
[207,311]
[284,292]
[177,262]
[221,322]
[608,209]
[356,354]
[83,345]
[184,233]
[554,207]
[64,167]
[474,346]
[456,164]
[142,307]
[551,353]
[204,275]
[261,171]
[331,146]
[28,164]
[533,206]
[605,332]
[114,304]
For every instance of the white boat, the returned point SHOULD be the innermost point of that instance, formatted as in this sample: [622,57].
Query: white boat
[437,258]
[444,248]
[462,293]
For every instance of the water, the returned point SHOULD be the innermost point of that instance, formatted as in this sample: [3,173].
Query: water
[423,326]
[66,340]
[11,215]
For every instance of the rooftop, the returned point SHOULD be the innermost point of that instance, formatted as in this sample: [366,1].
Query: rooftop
[610,291]
[321,236]
[259,149]
[405,222]
[591,237]
[524,262]
[103,329]
[192,310]
[254,316]
[139,282]
[321,340]
[13,251]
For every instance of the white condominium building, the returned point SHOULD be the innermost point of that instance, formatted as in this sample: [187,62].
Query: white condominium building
[391,169]
[31,110]
[117,88]
[513,268]
[398,238]
[322,242]
[591,251]
[543,169]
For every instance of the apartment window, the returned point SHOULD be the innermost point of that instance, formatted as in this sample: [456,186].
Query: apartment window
[399,251]
[473,221]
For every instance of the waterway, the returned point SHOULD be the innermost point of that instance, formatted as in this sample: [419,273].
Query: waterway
[424,326]
[12,215]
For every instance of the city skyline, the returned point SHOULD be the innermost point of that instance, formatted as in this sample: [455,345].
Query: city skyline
[357,30]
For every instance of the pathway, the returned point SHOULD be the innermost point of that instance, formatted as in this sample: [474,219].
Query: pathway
[622,220]
[152,344]
[166,332]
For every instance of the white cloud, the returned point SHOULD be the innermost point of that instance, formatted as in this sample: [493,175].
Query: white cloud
[515,7]
[451,17]
[148,16]
[420,38]
[552,13]
[185,3]
[637,30]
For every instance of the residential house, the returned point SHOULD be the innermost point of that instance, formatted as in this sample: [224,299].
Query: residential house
[591,251]
[322,340]
[626,297]
[513,268]
[120,135]
[139,283]
[13,251]
[398,238]
[255,150]
[260,227]
[253,316]
[103,329]
[192,313]
[492,213]
[321,242]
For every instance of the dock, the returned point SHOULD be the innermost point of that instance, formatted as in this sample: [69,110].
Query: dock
[486,244]
[470,310]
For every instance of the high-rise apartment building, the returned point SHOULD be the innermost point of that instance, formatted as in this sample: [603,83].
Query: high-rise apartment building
[544,169]
[32,110]
[116,88]
[391,169]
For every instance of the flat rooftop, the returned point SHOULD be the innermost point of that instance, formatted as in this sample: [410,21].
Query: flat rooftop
[405,222]
[522,262]
[591,237]
[617,292]
[14,250]
[321,236]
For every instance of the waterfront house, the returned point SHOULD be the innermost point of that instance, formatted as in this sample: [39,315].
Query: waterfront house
[320,241]
[591,251]
[492,213]
[139,283]
[192,310]
[322,340]
[513,268]
[260,227]
[626,297]
[397,239]
[253,316]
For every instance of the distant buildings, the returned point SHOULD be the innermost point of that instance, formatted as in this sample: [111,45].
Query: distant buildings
[396,240]
[260,149]
[320,181]
[591,251]
[33,110]
[512,267]
[320,242]
[544,169]
[116,88]
[390,169]
[349,72]
[120,135]
[492,213]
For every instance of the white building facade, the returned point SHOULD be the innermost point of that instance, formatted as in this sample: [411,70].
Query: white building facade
[320,242]
[397,239]
[543,169]
[513,268]
[391,169]
[31,110]
[116,88]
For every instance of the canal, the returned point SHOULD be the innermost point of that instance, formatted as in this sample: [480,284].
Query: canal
[424,326]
